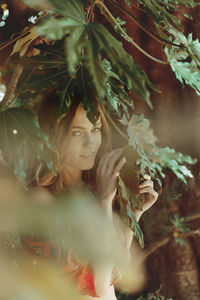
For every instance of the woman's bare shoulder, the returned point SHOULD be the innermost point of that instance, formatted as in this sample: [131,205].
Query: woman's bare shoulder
[42,195]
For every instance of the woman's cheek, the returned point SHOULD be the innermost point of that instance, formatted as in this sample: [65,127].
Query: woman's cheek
[98,141]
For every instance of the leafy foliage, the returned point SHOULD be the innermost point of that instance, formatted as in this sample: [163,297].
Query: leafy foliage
[179,223]
[144,156]
[128,3]
[22,45]
[185,71]
[85,59]
[20,132]
[86,42]
[180,226]
[126,211]
[152,158]
[154,296]
[162,10]
[174,161]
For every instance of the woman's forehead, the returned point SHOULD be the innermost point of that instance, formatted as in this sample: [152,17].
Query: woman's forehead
[81,118]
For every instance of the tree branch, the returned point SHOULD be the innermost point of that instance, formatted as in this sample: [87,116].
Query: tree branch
[193,217]
[189,233]
[113,123]
[153,248]
[165,241]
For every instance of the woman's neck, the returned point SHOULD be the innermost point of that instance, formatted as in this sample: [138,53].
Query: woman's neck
[73,177]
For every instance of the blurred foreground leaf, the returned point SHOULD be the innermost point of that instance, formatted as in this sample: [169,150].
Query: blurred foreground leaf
[22,279]
[20,132]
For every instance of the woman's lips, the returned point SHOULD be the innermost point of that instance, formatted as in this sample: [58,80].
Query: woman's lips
[88,154]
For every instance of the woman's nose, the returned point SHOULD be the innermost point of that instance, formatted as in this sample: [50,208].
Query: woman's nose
[88,140]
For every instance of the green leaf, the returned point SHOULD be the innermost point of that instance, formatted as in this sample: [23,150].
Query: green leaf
[116,98]
[121,23]
[142,139]
[186,72]
[175,161]
[128,3]
[86,42]
[152,158]
[136,128]
[154,296]
[122,63]
[71,24]
[162,10]
[179,223]
[126,211]
[63,102]
[94,64]
[181,242]
[19,132]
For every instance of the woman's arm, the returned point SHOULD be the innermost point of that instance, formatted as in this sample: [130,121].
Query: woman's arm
[106,180]
[107,172]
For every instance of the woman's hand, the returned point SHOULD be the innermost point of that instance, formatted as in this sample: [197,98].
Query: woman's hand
[106,176]
[146,187]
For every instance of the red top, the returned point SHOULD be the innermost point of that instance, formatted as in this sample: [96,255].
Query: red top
[70,266]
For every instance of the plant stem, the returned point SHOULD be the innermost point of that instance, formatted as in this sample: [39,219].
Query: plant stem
[193,217]
[91,10]
[153,248]
[6,44]
[12,85]
[128,37]
[113,123]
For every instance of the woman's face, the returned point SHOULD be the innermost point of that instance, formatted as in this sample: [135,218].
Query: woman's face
[83,142]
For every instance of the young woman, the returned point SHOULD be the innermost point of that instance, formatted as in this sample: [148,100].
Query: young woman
[84,156]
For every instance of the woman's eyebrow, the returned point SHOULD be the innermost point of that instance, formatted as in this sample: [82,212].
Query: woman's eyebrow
[80,127]
[97,124]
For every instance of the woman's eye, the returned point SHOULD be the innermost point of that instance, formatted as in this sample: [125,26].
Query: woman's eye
[96,130]
[76,133]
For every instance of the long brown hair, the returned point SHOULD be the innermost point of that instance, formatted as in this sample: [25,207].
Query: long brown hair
[58,133]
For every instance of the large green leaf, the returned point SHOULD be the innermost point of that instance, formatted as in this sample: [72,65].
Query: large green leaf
[122,63]
[142,140]
[151,158]
[86,43]
[19,133]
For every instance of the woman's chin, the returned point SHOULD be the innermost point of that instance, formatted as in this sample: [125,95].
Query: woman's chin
[88,164]
[87,168]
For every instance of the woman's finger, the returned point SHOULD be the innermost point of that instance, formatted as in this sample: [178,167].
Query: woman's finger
[106,162]
[119,166]
[148,190]
[146,183]
[102,160]
[112,162]
[147,177]
[107,158]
